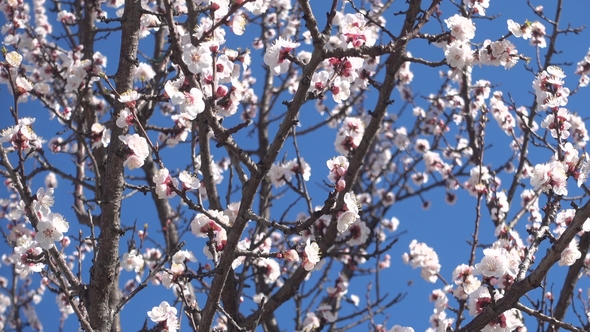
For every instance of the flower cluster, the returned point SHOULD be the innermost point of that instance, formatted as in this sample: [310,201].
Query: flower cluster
[457,48]
[28,250]
[139,150]
[279,173]
[22,137]
[477,6]
[422,256]
[355,31]
[350,135]
[191,103]
[549,90]
[505,322]
[165,184]
[535,31]
[338,167]
[501,113]
[551,176]
[211,225]
[165,316]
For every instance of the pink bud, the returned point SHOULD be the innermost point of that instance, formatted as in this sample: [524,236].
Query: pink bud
[221,91]
[65,241]
[291,255]
[493,281]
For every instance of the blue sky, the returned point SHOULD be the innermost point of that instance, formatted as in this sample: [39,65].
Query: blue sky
[443,227]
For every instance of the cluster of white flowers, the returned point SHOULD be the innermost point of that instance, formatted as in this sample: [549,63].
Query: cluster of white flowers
[495,264]
[550,176]
[457,48]
[28,251]
[552,95]
[211,225]
[535,31]
[165,315]
[139,150]
[424,257]
[500,205]
[270,268]
[341,76]
[465,280]
[501,113]
[477,6]
[549,90]
[179,260]
[506,322]
[310,323]
[281,172]
[438,319]
[350,135]
[355,31]
[338,167]
[165,184]
[22,137]
[132,261]
[19,85]
[479,181]
[191,103]
[570,254]
[458,51]
[530,201]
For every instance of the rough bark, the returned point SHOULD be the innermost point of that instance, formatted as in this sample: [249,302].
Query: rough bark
[104,272]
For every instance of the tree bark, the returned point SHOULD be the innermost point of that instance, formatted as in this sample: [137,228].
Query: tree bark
[104,273]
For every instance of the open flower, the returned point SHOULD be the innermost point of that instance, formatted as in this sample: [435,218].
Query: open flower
[14,59]
[193,103]
[50,230]
[311,255]
[197,58]
[276,56]
[129,98]
[189,181]
[570,254]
